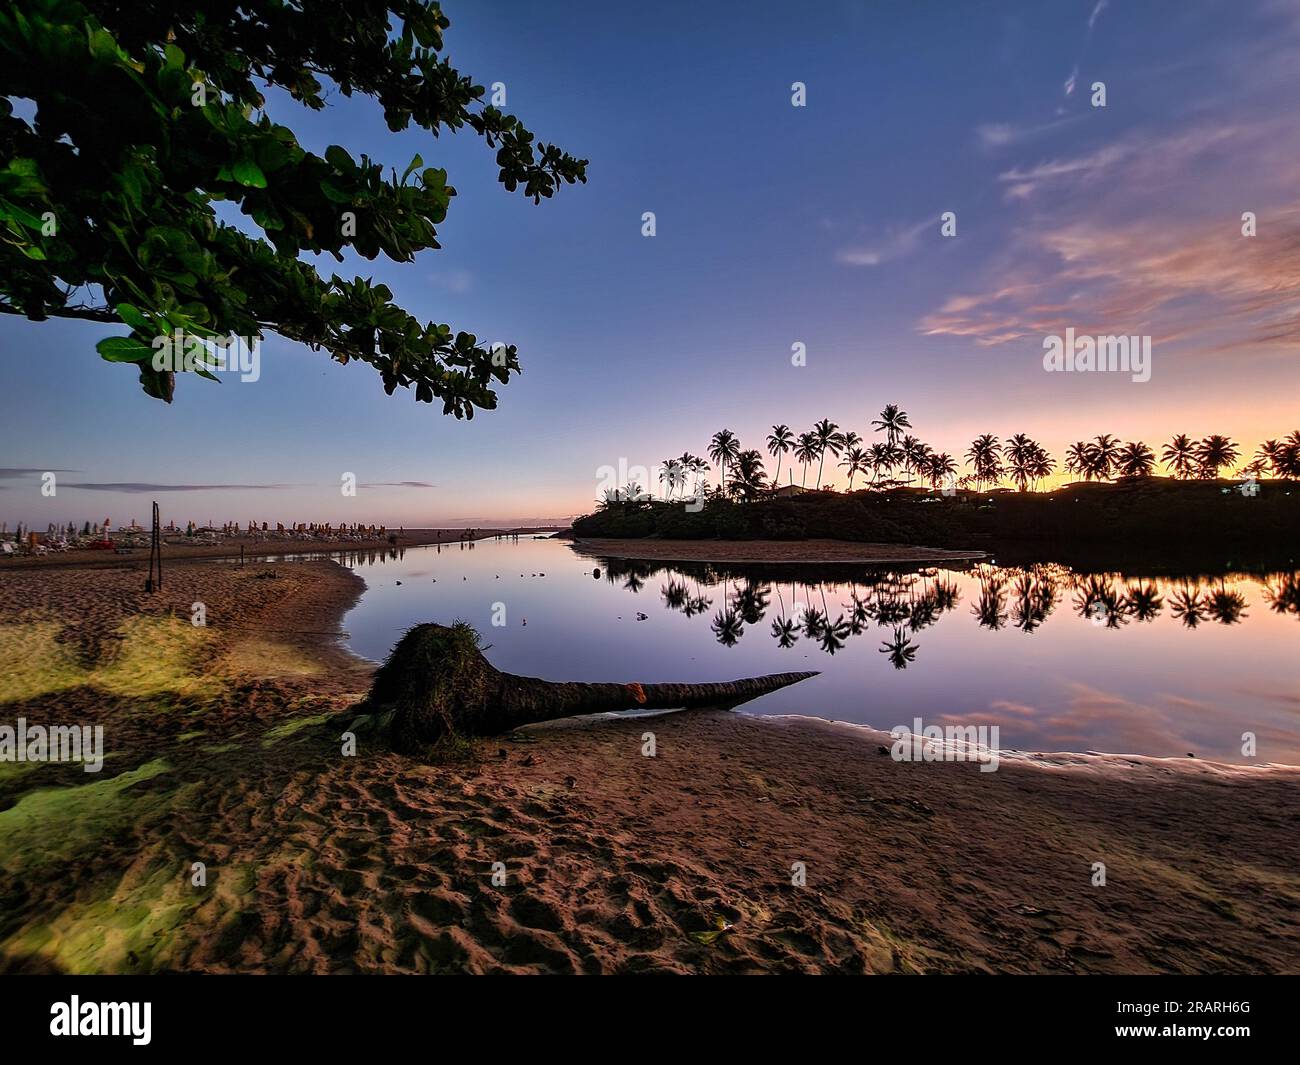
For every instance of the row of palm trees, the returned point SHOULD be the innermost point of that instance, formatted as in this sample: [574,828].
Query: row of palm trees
[900,457]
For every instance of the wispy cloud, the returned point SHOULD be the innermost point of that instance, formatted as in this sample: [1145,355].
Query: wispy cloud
[996,135]
[892,245]
[1144,235]
[1201,279]
[455,281]
[143,486]
[1072,81]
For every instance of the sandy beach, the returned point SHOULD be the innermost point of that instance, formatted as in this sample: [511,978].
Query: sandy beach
[763,552]
[175,549]
[224,749]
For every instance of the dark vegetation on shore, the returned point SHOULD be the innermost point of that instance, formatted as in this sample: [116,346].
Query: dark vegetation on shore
[1155,522]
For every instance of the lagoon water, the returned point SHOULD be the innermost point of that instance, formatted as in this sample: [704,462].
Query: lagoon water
[1059,660]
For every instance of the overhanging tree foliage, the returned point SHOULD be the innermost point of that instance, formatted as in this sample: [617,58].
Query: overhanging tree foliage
[148,112]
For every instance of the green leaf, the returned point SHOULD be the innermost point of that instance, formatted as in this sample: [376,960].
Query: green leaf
[123,349]
[415,165]
[249,174]
[338,158]
[130,314]
[333,192]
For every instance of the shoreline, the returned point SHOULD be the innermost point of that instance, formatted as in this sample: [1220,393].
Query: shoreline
[616,862]
[176,554]
[769,552]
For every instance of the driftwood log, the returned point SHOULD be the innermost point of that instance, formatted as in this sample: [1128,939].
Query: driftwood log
[436,683]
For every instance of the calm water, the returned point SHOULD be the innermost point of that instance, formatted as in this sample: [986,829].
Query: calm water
[1060,660]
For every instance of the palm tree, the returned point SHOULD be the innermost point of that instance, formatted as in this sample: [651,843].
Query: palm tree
[806,452]
[880,458]
[1179,456]
[892,422]
[851,439]
[723,448]
[1020,457]
[1287,463]
[1103,454]
[1135,459]
[700,465]
[671,475]
[829,438]
[985,456]
[1213,453]
[1077,460]
[747,476]
[1040,464]
[941,467]
[915,456]
[779,442]
[1267,454]
[856,460]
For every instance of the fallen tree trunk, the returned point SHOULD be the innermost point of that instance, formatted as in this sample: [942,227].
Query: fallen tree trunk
[436,683]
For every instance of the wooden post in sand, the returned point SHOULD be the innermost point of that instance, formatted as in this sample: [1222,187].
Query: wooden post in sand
[155,553]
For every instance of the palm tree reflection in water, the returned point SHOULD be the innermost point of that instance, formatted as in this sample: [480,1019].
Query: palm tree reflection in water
[830,606]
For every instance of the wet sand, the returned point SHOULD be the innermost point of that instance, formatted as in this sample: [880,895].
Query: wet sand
[763,552]
[223,750]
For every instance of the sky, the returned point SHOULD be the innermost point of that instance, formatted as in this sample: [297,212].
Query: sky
[775,225]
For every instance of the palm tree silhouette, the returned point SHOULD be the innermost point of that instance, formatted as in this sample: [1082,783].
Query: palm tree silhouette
[829,438]
[1179,456]
[1213,453]
[805,451]
[901,650]
[1135,459]
[855,461]
[752,600]
[723,448]
[1024,457]
[1143,601]
[990,608]
[1227,608]
[727,627]
[882,458]
[1188,606]
[892,422]
[1098,601]
[785,632]
[985,454]
[1077,460]
[1285,598]
[915,456]
[941,467]
[675,595]
[1103,454]
[748,479]
[779,442]
[813,622]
